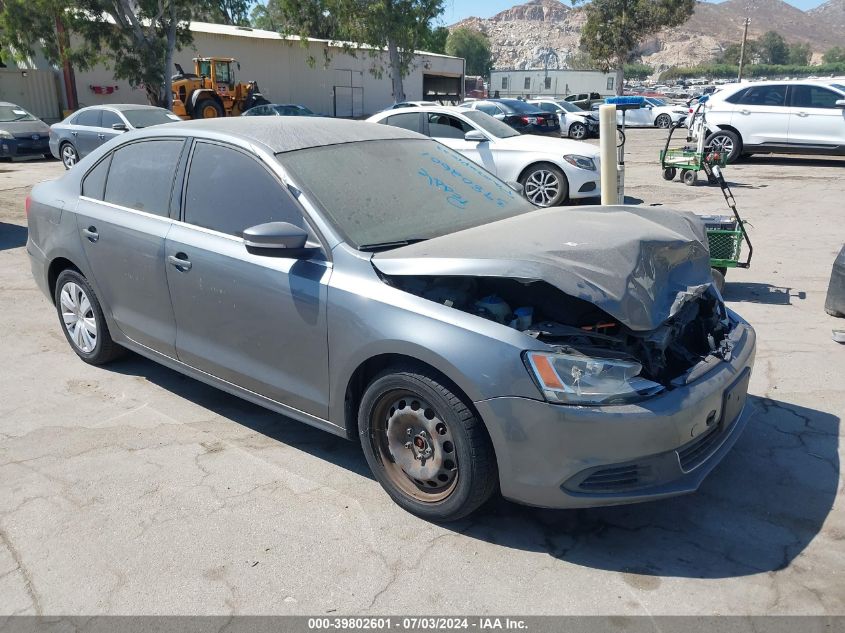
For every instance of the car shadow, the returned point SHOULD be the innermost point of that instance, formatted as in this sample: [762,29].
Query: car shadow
[12,236]
[283,429]
[792,161]
[755,513]
[750,292]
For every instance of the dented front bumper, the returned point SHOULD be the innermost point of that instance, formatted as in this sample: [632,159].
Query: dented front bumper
[562,456]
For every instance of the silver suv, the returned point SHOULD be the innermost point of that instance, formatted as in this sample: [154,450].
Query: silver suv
[778,117]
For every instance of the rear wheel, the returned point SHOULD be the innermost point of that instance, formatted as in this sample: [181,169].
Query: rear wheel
[727,143]
[425,446]
[578,131]
[208,109]
[690,177]
[669,173]
[69,155]
[663,121]
[82,319]
[545,185]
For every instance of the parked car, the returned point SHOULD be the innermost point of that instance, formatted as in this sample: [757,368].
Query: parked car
[521,116]
[584,100]
[279,109]
[777,117]
[551,170]
[574,122]
[86,129]
[22,133]
[655,112]
[411,104]
[412,301]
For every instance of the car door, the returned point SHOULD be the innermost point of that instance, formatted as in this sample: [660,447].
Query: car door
[85,128]
[106,131]
[814,118]
[257,321]
[762,116]
[123,216]
[450,130]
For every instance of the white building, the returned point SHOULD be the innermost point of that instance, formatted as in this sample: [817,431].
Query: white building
[550,83]
[318,74]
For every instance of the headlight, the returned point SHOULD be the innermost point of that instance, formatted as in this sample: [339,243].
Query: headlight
[572,379]
[582,162]
[5,134]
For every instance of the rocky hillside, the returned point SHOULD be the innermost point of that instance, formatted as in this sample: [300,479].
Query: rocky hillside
[548,31]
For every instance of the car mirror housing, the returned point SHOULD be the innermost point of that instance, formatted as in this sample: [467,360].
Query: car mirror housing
[516,186]
[120,127]
[279,239]
[475,136]
[840,103]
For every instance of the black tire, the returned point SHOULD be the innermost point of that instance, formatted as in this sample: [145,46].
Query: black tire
[48,156]
[725,142]
[532,189]
[475,472]
[204,107]
[663,121]
[690,177]
[104,349]
[68,154]
[669,173]
[578,131]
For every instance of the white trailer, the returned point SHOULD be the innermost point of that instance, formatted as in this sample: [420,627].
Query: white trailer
[550,83]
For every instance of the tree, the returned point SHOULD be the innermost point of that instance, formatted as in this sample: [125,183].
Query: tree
[834,55]
[314,19]
[614,28]
[773,48]
[434,41]
[225,11]
[474,47]
[799,54]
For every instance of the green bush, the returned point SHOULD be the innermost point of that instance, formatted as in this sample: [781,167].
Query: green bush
[728,71]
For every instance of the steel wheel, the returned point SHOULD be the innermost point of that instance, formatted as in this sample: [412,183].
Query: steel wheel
[69,155]
[722,144]
[415,446]
[209,112]
[663,121]
[78,317]
[543,186]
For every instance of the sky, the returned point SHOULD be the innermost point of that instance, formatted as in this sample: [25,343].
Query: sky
[457,10]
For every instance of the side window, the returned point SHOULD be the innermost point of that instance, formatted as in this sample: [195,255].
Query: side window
[611,81]
[408,121]
[764,96]
[527,83]
[504,83]
[737,96]
[445,126]
[813,97]
[229,191]
[141,175]
[545,106]
[89,118]
[109,119]
[94,183]
[547,83]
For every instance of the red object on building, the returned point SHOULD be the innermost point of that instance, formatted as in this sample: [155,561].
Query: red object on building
[103,90]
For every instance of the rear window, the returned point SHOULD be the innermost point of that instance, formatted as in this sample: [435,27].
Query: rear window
[141,175]
[407,121]
[521,107]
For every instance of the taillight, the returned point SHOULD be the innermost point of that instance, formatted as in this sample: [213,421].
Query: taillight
[529,120]
[26,205]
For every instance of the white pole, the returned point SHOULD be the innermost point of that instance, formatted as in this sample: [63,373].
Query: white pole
[607,145]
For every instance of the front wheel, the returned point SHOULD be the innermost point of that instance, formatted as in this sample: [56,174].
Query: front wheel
[690,177]
[425,447]
[545,185]
[669,173]
[726,143]
[664,121]
[208,109]
[578,131]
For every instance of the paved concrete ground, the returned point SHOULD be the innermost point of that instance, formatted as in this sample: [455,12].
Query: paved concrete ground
[131,489]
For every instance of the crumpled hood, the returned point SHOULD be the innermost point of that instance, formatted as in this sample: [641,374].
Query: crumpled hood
[638,264]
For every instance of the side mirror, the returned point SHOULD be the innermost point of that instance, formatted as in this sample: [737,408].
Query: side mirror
[840,103]
[475,136]
[281,239]
[120,127]
[516,186]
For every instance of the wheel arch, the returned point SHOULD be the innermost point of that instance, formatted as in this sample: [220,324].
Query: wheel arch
[204,93]
[726,128]
[537,163]
[57,266]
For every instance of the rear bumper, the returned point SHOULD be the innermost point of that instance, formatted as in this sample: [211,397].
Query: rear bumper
[568,457]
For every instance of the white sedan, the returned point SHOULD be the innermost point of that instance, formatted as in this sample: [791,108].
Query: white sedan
[551,170]
[654,113]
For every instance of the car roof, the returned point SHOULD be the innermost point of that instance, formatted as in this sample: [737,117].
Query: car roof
[121,107]
[286,134]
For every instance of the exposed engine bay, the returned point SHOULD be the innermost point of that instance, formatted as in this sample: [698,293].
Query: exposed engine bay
[698,329]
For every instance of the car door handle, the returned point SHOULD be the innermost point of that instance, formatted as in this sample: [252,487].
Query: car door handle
[74,133]
[803,114]
[745,111]
[101,136]
[180,261]
[91,234]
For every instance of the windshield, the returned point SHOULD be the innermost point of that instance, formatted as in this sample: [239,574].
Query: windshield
[838,87]
[146,118]
[10,113]
[490,124]
[568,106]
[386,192]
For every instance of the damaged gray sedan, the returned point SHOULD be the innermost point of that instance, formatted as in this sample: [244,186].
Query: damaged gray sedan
[373,283]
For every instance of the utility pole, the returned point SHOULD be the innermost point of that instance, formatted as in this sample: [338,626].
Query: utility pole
[747,21]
